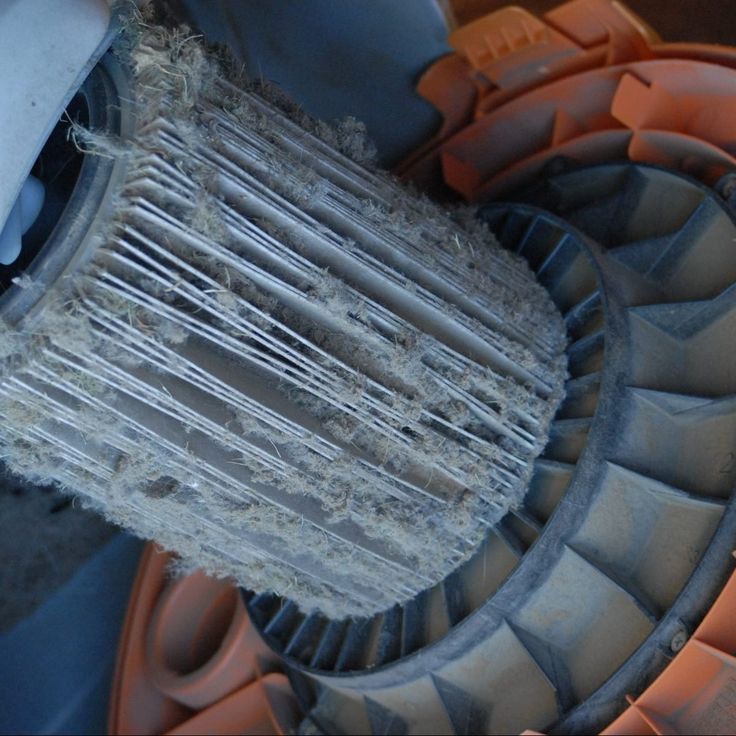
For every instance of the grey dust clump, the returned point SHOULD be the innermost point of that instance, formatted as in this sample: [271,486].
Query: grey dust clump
[277,362]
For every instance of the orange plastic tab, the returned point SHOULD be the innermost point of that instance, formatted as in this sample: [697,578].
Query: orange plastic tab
[585,150]
[511,45]
[528,126]
[604,23]
[262,708]
[639,105]
[448,86]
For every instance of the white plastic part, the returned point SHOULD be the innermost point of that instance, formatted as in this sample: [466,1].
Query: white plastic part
[47,48]
[24,213]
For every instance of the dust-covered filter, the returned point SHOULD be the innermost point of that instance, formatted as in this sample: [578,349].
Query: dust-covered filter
[271,358]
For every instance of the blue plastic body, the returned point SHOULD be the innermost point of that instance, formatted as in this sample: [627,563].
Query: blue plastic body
[56,666]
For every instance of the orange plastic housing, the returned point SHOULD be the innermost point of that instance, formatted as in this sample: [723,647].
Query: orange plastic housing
[676,113]
[191,662]
[588,82]
[509,52]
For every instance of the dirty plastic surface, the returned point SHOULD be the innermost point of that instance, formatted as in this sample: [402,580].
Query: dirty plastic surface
[697,691]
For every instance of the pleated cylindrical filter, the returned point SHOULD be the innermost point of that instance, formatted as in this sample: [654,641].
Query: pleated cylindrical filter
[275,360]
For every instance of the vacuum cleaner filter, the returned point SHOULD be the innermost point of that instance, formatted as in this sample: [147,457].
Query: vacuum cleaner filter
[271,359]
